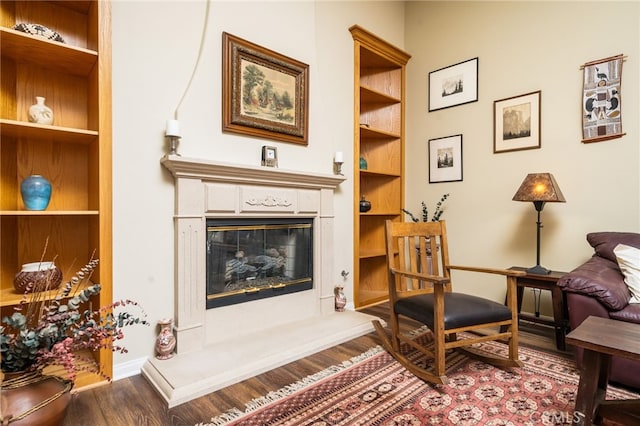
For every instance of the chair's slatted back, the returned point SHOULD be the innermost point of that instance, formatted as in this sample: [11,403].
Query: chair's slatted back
[416,247]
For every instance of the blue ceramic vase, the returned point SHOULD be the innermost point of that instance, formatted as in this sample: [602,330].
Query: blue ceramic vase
[363,163]
[36,192]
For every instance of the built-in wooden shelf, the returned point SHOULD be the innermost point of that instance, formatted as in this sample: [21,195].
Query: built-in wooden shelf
[49,213]
[21,129]
[379,89]
[50,54]
[74,153]
[9,296]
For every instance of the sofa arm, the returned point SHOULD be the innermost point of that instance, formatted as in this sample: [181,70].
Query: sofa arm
[601,279]
[580,307]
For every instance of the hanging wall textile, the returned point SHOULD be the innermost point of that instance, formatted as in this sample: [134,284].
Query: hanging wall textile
[601,100]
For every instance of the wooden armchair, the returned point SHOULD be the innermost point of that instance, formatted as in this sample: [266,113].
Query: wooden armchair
[420,288]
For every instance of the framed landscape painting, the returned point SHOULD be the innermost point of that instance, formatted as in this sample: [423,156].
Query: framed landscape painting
[453,85]
[516,123]
[264,94]
[445,159]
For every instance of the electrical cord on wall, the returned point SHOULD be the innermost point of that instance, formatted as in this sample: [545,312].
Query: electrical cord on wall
[195,68]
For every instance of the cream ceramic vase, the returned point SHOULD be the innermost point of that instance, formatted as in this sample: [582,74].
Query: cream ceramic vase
[40,113]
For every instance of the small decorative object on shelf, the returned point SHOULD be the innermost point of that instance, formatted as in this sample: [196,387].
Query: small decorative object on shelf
[37,272]
[166,341]
[341,299]
[39,30]
[363,163]
[40,113]
[36,192]
[365,205]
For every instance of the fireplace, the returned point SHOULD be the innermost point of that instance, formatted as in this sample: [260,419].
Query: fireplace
[252,259]
[293,213]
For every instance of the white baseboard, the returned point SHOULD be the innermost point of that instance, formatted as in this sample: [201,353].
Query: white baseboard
[128,369]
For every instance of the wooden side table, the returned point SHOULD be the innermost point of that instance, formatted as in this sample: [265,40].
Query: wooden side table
[601,338]
[558,299]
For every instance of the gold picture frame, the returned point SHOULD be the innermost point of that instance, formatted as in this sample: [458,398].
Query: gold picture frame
[264,93]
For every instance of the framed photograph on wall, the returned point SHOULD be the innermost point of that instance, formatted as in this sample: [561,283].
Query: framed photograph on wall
[453,85]
[264,94]
[516,123]
[445,159]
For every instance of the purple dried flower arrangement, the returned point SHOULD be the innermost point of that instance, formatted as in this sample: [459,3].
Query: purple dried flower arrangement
[44,332]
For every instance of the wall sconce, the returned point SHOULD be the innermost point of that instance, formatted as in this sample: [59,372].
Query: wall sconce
[173,133]
[539,188]
[338,160]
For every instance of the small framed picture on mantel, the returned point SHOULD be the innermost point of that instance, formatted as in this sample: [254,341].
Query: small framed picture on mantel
[269,156]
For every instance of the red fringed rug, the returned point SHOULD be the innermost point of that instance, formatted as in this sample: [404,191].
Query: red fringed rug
[375,390]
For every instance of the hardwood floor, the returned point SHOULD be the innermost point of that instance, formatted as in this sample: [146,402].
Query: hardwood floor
[133,401]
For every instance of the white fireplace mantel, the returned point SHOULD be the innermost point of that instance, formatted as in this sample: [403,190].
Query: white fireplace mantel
[191,168]
[224,345]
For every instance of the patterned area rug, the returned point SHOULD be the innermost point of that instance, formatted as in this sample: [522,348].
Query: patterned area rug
[375,390]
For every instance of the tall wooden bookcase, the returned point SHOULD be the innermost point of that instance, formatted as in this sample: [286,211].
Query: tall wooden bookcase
[74,153]
[379,77]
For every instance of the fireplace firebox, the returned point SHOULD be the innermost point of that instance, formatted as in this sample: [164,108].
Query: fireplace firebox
[251,259]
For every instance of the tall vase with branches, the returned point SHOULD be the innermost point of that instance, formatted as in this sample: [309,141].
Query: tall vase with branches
[56,331]
[425,211]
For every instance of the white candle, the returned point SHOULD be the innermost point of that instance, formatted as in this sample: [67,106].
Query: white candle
[339,158]
[173,128]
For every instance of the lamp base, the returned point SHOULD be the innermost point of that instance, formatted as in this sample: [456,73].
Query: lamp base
[539,270]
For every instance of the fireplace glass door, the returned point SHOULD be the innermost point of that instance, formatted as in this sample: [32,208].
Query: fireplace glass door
[250,259]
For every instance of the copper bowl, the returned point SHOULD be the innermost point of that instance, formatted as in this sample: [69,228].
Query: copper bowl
[37,276]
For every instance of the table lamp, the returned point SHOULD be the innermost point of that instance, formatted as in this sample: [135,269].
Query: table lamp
[539,188]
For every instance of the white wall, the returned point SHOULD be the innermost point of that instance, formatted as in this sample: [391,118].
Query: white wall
[155,47]
[524,47]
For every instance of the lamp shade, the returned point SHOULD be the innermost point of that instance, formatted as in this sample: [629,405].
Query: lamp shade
[539,187]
